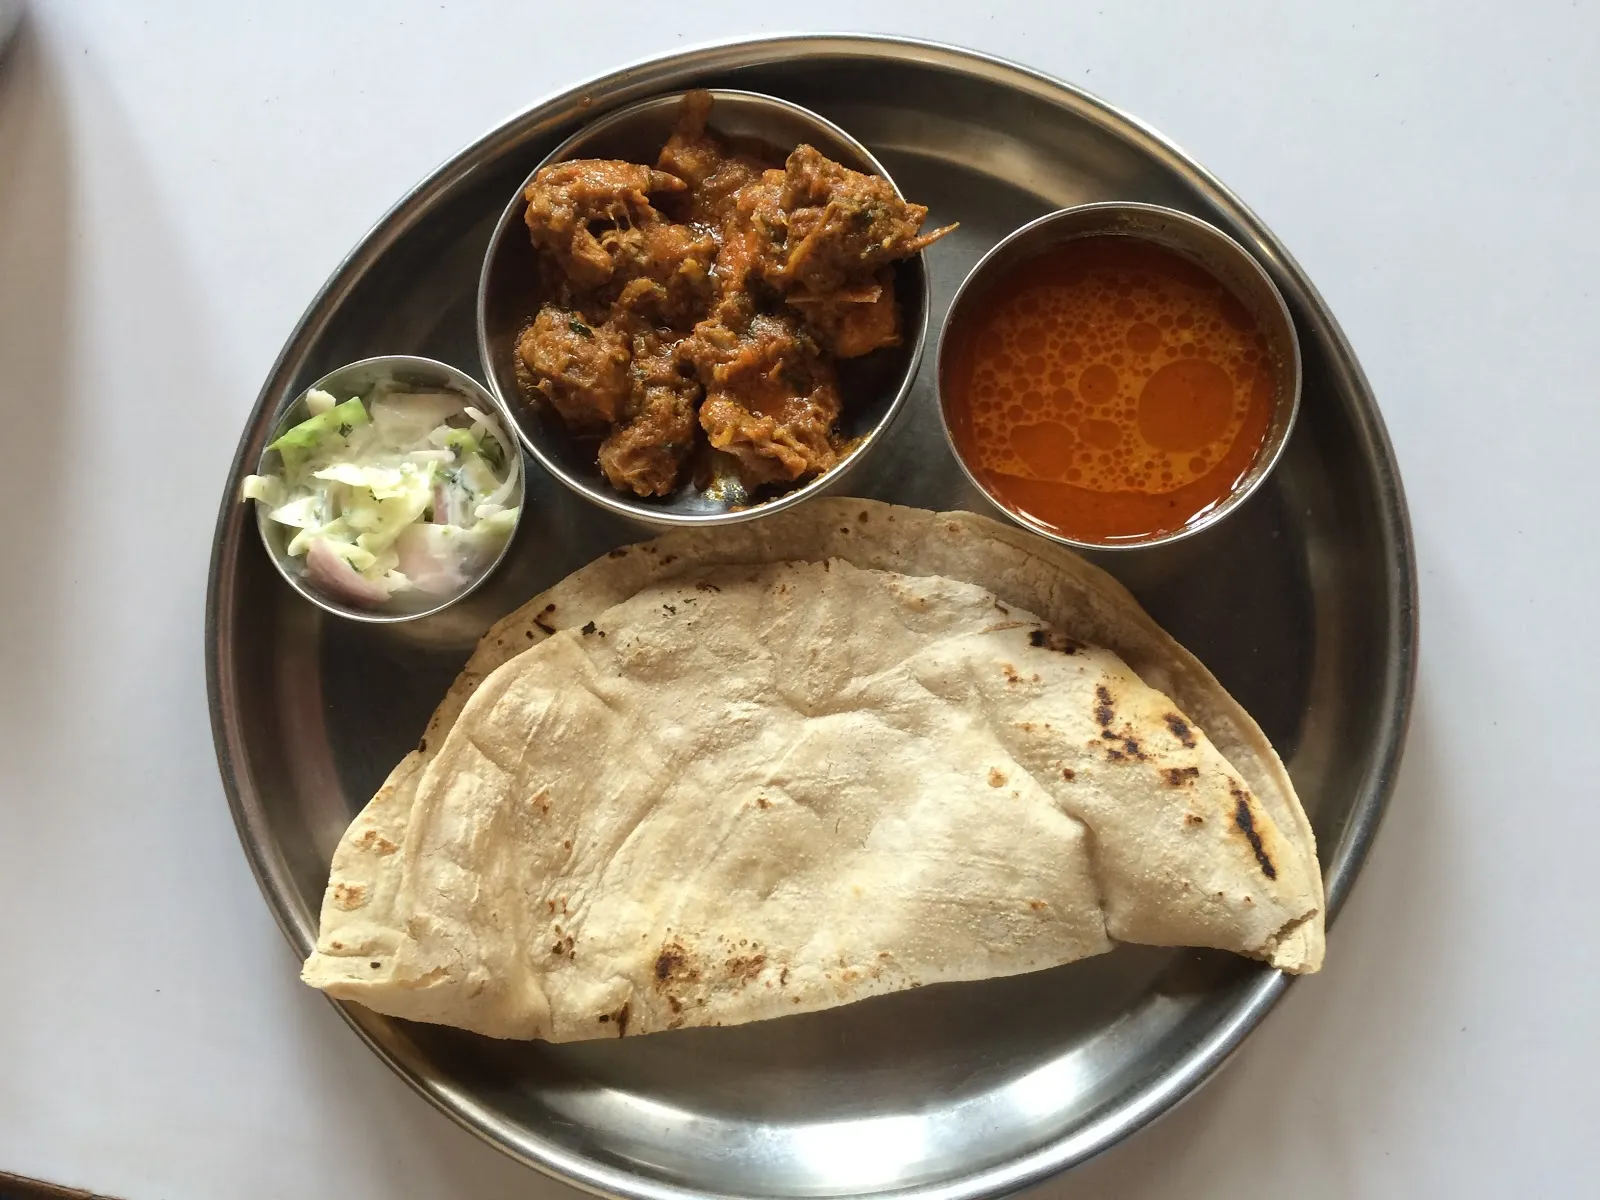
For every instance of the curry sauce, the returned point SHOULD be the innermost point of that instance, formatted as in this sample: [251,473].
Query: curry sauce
[1109,390]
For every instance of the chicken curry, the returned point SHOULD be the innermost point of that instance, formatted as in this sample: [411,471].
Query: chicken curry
[706,301]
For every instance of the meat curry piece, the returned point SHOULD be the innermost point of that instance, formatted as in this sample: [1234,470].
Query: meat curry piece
[853,321]
[713,171]
[567,200]
[666,269]
[842,225]
[646,451]
[753,230]
[581,369]
[691,152]
[771,398]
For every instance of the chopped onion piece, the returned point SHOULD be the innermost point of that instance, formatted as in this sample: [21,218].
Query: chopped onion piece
[497,498]
[406,418]
[499,523]
[334,575]
[431,557]
[304,513]
[268,489]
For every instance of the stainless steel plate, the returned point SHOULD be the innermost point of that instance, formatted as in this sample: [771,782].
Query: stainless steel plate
[1302,603]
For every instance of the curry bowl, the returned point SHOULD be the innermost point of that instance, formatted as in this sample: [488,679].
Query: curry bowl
[872,388]
[1063,451]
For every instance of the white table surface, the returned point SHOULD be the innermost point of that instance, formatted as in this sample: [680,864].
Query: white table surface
[176,180]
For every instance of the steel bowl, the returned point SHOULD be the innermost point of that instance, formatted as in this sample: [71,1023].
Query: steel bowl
[358,379]
[872,388]
[1202,244]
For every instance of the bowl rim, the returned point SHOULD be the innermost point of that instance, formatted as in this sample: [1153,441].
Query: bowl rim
[601,493]
[281,422]
[1267,458]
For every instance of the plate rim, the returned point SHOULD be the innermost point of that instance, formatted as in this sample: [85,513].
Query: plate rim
[642,77]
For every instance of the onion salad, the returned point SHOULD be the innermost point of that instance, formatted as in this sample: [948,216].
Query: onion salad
[411,491]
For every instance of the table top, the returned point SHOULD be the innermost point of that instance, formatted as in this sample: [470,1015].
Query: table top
[177,180]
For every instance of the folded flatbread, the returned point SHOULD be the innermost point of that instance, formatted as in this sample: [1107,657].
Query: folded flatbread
[730,775]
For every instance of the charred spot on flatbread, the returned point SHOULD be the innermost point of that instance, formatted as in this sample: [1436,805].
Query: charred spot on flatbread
[672,965]
[1103,710]
[1049,639]
[1244,818]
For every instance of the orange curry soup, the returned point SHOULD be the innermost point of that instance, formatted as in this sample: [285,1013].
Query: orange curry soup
[1109,390]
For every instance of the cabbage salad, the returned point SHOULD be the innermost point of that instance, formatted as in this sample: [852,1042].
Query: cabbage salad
[391,497]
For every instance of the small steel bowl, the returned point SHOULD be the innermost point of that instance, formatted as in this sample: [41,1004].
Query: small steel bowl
[872,388]
[358,379]
[1204,245]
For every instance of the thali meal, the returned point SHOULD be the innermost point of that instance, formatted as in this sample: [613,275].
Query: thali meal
[702,303]
[734,774]
[1110,389]
[403,492]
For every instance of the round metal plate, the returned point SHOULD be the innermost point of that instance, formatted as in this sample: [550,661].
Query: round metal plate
[1302,603]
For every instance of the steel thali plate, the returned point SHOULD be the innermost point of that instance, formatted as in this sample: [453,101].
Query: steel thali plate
[1302,604]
